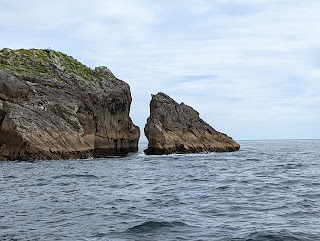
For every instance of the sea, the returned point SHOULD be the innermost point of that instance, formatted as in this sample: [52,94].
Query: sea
[269,190]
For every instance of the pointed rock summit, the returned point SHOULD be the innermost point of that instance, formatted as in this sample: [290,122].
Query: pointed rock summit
[177,128]
[54,107]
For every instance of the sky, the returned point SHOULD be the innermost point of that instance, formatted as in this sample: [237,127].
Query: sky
[250,68]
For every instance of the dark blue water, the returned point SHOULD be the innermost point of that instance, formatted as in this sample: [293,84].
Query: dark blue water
[270,190]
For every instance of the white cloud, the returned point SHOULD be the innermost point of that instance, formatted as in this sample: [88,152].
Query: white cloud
[124,10]
[253,63]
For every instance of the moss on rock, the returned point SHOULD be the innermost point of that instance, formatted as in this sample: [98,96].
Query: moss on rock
[50,65]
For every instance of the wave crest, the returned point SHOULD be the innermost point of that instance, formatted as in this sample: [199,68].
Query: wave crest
[150,226]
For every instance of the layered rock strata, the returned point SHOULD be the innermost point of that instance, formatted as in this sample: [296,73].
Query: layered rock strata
[54,107]
[177,128]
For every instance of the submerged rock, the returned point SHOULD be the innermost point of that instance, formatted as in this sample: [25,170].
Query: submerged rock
[53,107]
[177,128]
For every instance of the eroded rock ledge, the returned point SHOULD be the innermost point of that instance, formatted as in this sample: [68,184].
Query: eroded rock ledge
[53,107]
[177,128]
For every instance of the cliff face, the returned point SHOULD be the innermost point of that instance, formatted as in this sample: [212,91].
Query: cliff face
[177,128]
[53,107]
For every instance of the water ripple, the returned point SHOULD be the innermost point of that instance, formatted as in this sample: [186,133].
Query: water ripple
[267,191]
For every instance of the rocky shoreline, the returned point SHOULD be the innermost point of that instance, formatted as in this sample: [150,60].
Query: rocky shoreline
[54,107]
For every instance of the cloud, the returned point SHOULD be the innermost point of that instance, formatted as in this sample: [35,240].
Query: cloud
[124,10]
[251,68]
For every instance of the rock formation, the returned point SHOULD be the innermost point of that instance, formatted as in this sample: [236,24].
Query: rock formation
[177,128]
[53,107]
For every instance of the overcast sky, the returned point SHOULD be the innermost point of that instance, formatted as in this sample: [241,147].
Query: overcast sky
[250,68]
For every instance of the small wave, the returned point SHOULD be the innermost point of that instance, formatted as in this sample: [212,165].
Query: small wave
[282,235]
[121,185]
[150,226]
[4,227]
[141,154]
[223,187]
[86,176]
[10,177]
[8,238]
[293,166]
[251,159]
[40,184]
[299,213]
[101,235]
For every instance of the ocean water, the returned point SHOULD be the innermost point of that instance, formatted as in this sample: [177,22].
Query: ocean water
[269,190]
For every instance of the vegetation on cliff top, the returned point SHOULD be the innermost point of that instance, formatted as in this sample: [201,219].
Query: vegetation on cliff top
[50,65]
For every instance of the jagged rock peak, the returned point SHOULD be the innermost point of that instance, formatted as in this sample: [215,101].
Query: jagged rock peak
[54,107]
[177,128]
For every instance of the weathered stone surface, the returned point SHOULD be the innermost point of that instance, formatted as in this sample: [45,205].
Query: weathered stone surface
[53,107]
[177,128]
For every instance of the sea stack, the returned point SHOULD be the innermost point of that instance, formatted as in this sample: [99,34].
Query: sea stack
[54,107]
[177,128]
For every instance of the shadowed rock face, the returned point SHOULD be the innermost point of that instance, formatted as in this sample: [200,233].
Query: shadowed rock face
[177,128]
[53,107]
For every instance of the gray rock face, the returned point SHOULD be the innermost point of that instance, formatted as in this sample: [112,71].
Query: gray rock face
[177,128]
[53,107]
